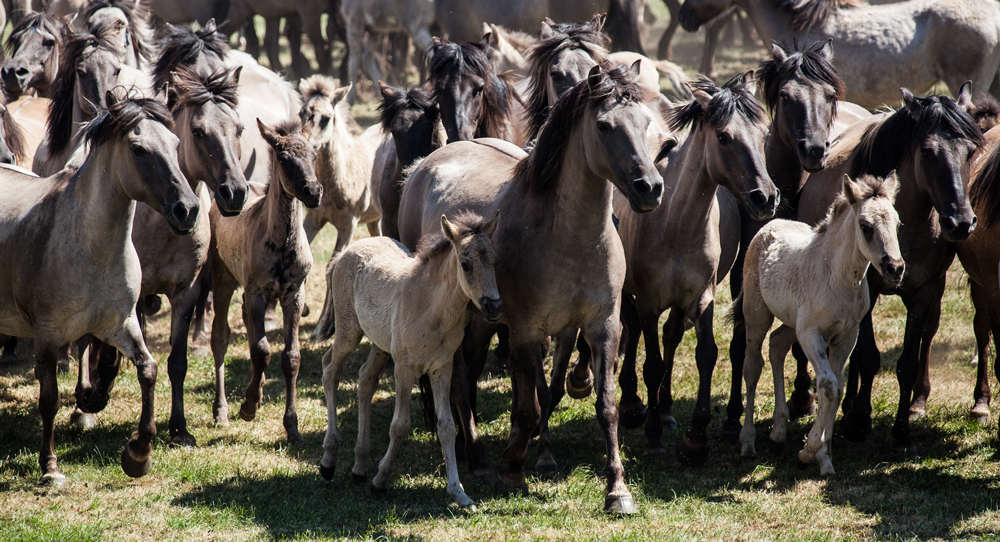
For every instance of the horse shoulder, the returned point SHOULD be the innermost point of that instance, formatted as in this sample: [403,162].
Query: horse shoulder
[377,272]
[782,259]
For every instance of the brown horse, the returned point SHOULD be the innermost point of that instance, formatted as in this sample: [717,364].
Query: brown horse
[928,142]
[33,50]
[83,274]
[557,269]
[265,251]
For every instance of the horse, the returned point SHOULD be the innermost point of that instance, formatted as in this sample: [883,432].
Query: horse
[813,280]
[82,274]
[463,19]
[33,50]
[676,255]
[928,142]
[414,17]
[88,67]
[881,48]
[413,307]
[979,257]
[557,269]
[344,162]
[265,251]
[309,18]
[135,38]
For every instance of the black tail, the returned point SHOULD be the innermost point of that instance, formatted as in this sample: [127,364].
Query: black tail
[623,25]
[734,314]
[427,398]
[326,326]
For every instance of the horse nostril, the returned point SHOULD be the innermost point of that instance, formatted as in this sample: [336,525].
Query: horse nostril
[756,198]
[225,193]
[21,72]
[181,212]
[642,186]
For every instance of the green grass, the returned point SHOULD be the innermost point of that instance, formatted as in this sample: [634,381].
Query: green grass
[244,483]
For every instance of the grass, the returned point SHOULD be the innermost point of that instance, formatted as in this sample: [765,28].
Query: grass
[244,483]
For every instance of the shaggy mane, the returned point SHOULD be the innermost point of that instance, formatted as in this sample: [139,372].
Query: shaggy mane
[733,98]
[14,135]
[181,47]
[120,118]
[984,191]
[437,244]
[809,13]
[220,87]
[31,22]
[452,60]
[317,85]
[872,187]
[808,63]
[137,13]
[416,98]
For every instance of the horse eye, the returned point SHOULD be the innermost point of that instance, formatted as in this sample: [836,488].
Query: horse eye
[323,122]
[48,43]
[830,98]
[118,71]
[477,91]
[466,267]
[239,133]
[723,138]
[137,149]
[926,153]
[867,229]
[603,126]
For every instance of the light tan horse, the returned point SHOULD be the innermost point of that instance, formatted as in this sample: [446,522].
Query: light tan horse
[412,307]
[82,274]
[265,251]
[813,280]
[343,162]
[561,261]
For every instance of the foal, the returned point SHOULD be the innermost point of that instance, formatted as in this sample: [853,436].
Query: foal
[413,308]
[264,249]
[813,280]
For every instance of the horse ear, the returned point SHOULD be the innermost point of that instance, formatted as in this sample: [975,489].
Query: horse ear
[964,99]
[826,51]
[236,74]
[749,82]
[891,185]
[850,191]
[546,32]
[778,53]
[449,229]
[497,35]
[911,103]
[210,26]
[267,133]
[341,93]
[598,21]
[701,96]
[487,37]
[595,77]
[110,99]
[492,225]
[385,89]
[635,68]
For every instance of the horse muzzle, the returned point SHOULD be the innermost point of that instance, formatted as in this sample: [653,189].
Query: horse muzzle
[762,206]
[311,195]
[893,270]
[231,198]
[957,229]
[182,216]
[15,78]
[812,157]
[645,193]
[492,308]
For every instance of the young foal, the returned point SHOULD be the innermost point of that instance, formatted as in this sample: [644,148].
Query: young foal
[413,308]
[82,273]
[265,251]
[813,280]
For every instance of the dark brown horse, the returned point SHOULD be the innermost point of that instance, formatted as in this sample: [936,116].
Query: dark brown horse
[928,142]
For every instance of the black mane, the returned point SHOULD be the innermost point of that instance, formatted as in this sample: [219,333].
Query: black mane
[733,98]
[121,117]
[884,144]
[181,47]
[220,87]
[984,192]
[452,60]
[808,62]
[399,100]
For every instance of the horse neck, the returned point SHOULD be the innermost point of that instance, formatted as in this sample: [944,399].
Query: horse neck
[335,153]
[79,117]
[782,161]
[583,198]
[848,265]
[100,211]
[690,205]
[771,23]
[283,212]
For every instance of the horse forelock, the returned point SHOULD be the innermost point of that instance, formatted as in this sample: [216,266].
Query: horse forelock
[124,115]
[868,186]
[809,63]
[540,168]
[539,58]
[436,244]
[731,99]
[884,144]
[453,60]
[220,87]
[809,13]
[137,13]
[416,99]
[318,85]
[36,21]
[984,192]
[181,47]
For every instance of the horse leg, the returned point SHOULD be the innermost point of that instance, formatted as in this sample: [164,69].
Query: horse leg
[856,424]
[344,342]
[293,31]
[313,28]
[631,412]
[981,326]
[712,32]
[467,367]
[252,41]
[291,308]
[526,412]
[367,382]
[919,308]
[441,384]
[272,33]
[781,340]
[665,50]
[202,305]
[223,286]
[254,306]
[345,231]
[922,387]
[565,340]
[374,228]
[657,372]
[48,406]
[802,401]
[8,357]
[399,429]
[839,353]
[355,51]
[181,310]
[580,381]
[815,347]
[603,339]
[755,329]
[136,458]
[102,365]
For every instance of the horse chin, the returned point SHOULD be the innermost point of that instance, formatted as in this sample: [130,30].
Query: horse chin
[229,213]
[178,231]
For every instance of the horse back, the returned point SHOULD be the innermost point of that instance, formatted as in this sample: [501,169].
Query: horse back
[367,284]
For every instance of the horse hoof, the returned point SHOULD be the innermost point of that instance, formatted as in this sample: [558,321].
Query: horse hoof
[577,389]
[356,478]
[802,465]
[631,415]
[855,427]
[980,414]
[247,412]
[9,359]
[296,440]
[62,366]
[327,472]
[485,478]
[652,452]
[917,412]
[692,450]
[801,403]
[668,422]
[133,467]
[548,469]
[378,491]
[53,479]
[730,431]
[305,310]
[183,440]
[83,420]
[620,505]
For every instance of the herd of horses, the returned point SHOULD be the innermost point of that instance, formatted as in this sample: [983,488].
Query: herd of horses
[538,188]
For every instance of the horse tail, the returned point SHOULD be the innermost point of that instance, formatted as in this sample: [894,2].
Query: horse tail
[326,326]
[734,314]
[623,25]
[427,399]
[675,74]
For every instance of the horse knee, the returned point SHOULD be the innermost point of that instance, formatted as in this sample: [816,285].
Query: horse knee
[827,388]
[446,430]
[260,351]
[400,428]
